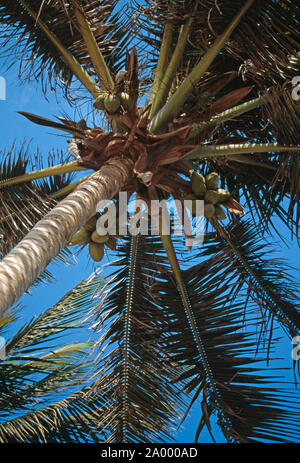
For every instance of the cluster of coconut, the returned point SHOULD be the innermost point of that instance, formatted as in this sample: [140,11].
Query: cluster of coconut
[89,235]
[207,189]
[112,102]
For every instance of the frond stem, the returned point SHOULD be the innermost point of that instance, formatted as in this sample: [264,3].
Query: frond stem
[47,172]
[94,51]
[70,60]
[172,107]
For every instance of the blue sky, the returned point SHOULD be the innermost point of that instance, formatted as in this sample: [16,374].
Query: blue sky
[14,127]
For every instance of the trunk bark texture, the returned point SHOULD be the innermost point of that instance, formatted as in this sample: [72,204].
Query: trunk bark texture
[51,234]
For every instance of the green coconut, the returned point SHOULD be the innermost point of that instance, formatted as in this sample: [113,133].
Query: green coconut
[224,195]
[212,181]
[126,100]
[99,101]
[112,103]
[101,239]
[81,238]
[219,212]
[96,251]
[211,196]
[198,184]
[209,210]
[91,223]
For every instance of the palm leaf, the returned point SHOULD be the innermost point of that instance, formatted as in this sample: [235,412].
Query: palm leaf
[110,34]
[135,375]
[35,368]
[73,419]
[249,262]
[236,387]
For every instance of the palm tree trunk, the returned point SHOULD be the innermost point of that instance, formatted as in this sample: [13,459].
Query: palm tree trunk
[51,234]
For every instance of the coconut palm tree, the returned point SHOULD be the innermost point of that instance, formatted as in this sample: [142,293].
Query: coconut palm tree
[192,96]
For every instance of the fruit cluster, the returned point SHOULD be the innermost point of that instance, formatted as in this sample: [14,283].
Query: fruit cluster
[111,102]
[89,235]
[207,190]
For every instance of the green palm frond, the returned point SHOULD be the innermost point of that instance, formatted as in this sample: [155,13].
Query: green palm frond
[110,31]
[36,368]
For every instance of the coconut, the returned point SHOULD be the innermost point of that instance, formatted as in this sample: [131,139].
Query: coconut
[96,251]
[224,195]
[211,196]
[91,223]
[209,210]
[99,238]
[99,101]
[198,184]
[81,237]
[126,100]
[112,103]
[212,181]
[219,212]
[189,196]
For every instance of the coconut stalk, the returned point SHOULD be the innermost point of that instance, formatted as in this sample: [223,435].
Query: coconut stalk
[224,116]
[167,77]
[50,235]
[162,59]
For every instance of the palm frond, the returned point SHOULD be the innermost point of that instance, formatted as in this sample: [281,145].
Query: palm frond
[39,55]
[235,388]
[268,279]
[275,24]
[36,369]
[74,419]
[135,375]
[62,316]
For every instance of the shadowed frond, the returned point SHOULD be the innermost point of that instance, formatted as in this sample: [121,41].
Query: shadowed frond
[134,372]
[265,42]
[105,20]
[250,263]
[22,205]
[74,419]
[36,369]
[234,386]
